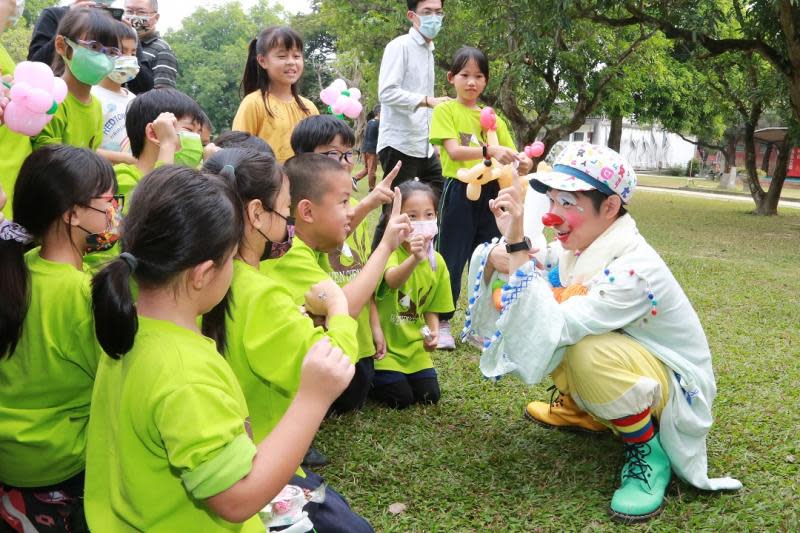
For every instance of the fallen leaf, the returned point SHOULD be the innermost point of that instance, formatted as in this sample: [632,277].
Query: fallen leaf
[397,508]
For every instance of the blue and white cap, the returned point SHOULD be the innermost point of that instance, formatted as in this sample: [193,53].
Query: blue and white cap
[582,166]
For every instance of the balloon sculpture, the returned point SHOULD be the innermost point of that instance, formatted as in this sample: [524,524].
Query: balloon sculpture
[489,169]
[341,101]
[34,98]
[534,150]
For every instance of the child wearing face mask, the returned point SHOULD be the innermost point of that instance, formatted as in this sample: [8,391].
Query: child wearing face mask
[48,353]
[414,290]
[115,98]
[272,107]
[86,45]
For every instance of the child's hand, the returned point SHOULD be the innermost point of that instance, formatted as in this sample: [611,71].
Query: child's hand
[383,193]
[380,343]
[431,341]
[419,247]
[503,155]
[325,298]
[507,209]
[165,127]
[325,373]
[525,164]
[399,226]
[209,150]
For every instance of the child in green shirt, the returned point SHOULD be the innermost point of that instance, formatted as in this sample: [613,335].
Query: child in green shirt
[265,333]
[415,288]
[48,353]
[330,136]
[456,127]
[86,46]
[169,445]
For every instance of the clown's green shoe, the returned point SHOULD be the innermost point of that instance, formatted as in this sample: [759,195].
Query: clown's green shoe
[645,477]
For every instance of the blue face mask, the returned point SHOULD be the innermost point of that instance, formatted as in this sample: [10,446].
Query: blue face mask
[430,25]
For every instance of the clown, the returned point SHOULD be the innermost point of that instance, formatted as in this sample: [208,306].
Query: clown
[607,321]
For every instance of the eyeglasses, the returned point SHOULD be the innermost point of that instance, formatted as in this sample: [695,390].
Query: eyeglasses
[139,13]
[339,156]
[117,202]
[94,46]
[428,12]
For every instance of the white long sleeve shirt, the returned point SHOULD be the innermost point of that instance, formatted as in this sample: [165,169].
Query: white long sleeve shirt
[405,79]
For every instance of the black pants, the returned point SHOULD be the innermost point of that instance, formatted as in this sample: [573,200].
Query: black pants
[399,390]
[334,514]
[463,225]
[427,169]
[57,508]
[355,395]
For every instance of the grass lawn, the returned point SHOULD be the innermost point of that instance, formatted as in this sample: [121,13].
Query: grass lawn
[473,463]
[700,184]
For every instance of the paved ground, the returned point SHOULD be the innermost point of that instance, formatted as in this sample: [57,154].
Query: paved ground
[792,204]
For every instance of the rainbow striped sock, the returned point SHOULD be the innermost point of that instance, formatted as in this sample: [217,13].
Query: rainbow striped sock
[635,428]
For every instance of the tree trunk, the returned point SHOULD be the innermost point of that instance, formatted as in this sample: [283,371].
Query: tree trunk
[769,206]
[756,191]
[615,133]
[730,154]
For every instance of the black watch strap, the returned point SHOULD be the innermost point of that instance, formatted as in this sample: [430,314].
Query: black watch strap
[524,244]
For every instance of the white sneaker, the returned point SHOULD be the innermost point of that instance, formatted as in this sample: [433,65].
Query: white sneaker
[355,184]
[446,340]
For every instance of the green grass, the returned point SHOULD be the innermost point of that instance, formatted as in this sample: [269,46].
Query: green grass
[700,184]
[473,463]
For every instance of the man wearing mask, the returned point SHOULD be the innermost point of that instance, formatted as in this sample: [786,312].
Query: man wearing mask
[143,16]
[405,90]
[42,47]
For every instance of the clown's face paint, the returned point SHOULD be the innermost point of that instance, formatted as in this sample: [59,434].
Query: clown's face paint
[580,223]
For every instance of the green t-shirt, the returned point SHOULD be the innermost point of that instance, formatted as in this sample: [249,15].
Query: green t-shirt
[46,384]
[402,312]
[128,177]
[452,120]
[267,340]
[74,123]
[301,268]
[169,428]
[15,147]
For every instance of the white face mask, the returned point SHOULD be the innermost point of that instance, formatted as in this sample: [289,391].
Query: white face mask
[125,69]
[430,25]
[426,228]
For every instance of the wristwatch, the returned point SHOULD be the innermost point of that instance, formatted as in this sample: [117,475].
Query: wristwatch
[524,244]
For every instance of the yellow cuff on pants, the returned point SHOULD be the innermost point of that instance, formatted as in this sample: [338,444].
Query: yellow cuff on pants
[612,376]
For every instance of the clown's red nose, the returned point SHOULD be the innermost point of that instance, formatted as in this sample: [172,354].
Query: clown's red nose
[552,220]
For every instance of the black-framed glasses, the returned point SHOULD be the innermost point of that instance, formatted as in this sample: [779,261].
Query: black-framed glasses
[139,13]
[94,46]
[339,156]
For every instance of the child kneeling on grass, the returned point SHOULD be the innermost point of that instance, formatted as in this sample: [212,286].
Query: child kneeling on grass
[415,288]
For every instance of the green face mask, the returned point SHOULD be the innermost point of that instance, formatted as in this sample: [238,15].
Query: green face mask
[88,66]
[191,152]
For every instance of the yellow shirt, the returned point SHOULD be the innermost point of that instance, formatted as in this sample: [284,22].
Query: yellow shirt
[252,117]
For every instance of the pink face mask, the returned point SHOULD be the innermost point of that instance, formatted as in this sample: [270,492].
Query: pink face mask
[426,228]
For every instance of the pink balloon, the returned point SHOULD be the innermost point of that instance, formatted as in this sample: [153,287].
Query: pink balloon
[339,105]
[20,90]
[339,85]
[20,120]
[534,150]
[329,95]
[39,101]
[353,109]
[488,119]
[355,93]
[59,90]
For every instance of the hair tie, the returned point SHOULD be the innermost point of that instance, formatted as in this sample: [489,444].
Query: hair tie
[11,231]
[229,171]
[130,260]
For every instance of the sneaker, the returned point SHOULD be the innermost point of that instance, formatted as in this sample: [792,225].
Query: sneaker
[314,457]
[563,413]
[355,184]
[645,477]
[446,340]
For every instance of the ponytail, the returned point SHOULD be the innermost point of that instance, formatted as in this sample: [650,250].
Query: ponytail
[255,77]
[115,319]
[213,325]
[14,282]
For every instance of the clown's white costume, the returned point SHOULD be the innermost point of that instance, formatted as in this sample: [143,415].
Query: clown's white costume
[628,341]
